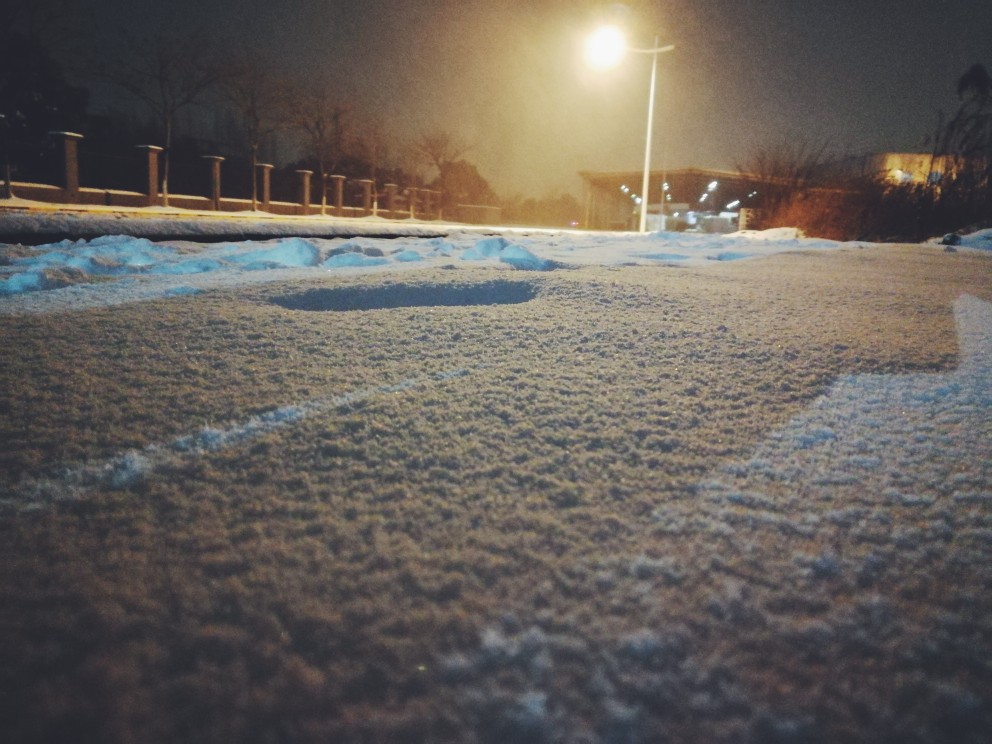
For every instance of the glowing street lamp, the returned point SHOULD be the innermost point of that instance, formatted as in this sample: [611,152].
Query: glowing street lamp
[606,48]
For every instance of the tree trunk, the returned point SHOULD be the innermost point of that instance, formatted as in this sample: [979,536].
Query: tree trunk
[323,189]
[165,161]
[254,178]
[8,187]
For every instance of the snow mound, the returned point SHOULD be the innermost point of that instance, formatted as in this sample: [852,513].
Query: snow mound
[116,269]
[57,265]
[485,248]
[112,255]
[285,254]
[351,260]
[982,240]
[512,254]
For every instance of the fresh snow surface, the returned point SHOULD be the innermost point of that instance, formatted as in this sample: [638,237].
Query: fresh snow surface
[905,437]
[129,468]
[112,270]
[117,269]
[981,240]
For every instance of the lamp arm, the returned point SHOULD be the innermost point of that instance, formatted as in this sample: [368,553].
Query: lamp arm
[656,50]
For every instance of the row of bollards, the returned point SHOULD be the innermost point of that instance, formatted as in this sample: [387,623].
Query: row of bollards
[411,202]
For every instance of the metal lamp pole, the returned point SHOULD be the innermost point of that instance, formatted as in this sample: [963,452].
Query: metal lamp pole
[645,185]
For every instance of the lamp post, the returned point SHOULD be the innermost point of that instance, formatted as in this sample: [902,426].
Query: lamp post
[605,48]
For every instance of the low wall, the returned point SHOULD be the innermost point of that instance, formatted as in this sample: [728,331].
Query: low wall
[398,204]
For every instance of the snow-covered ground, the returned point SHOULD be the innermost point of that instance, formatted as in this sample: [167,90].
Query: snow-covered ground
[815,554]
[115,269]
[112,270]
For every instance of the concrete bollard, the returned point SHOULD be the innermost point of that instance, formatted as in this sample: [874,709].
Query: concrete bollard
[70,150]
[151,171]
[366,195]
[391,198]
[303,190]
[266,169]
[338,194]
[412,201]
[215,161]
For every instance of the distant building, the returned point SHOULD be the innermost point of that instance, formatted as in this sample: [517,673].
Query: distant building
[908,167]
[680,199]
[707,200]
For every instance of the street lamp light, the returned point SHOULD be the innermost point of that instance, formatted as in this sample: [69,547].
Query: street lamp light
[606,48]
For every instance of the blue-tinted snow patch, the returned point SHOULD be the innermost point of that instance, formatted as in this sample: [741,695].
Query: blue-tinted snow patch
[485,248]
[509,253]
[110,255]
[981,240]
[523,259]
[290,253]
[344,260]
[407,256]
[730,256]
[29,281]
[190,266]
[664,256]
[439,247]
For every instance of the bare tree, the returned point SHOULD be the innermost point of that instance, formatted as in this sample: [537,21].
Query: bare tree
[785,171]
[35,97]
[372,146]
[326,125]
[260,100]
[966,138]
[958,190]
[167,74]
[442,151]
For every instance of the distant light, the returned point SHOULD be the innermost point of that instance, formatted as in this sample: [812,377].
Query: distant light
[664,186]
[734,204]
[625,188]
[605,48]
[752,195]
[638,200]
[712,186]
[703,198]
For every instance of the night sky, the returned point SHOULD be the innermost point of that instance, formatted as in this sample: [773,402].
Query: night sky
[506,76]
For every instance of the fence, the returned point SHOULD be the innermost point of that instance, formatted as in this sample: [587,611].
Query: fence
[334,195]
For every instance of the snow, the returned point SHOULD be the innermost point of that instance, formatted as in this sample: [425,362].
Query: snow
[353,260]
[917,440]
[982,240]
[902,436]
[116,269]
[129,468]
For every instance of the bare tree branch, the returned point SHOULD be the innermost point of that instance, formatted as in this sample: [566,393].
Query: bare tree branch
[167,74]
[260,100]
[326,125]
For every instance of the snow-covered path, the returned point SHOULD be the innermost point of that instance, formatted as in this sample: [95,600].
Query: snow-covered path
[913,440]
[114,270]
[741,501]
